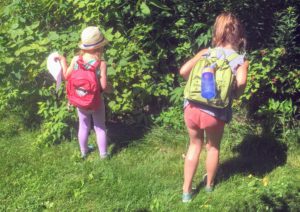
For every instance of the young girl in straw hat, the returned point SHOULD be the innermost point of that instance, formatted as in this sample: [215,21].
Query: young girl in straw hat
[92,44]
[228,38]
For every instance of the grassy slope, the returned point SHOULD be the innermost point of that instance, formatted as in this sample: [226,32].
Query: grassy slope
[146,175]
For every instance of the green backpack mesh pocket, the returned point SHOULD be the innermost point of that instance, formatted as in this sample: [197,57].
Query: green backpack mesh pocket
[223,76]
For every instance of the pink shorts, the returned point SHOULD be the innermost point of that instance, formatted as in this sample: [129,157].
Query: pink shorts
[197,119]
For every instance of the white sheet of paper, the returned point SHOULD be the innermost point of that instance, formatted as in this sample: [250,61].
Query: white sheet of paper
[55,69]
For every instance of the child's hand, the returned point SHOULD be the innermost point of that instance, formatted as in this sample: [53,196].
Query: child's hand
[63,63]
[60,58]
[109,88]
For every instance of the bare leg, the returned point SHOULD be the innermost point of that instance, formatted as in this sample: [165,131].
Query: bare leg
[213,139]
[192,157]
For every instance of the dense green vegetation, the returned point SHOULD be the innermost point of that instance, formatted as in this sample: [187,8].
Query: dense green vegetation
[149,41]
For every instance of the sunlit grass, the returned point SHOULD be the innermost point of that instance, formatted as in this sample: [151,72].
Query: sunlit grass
[143,175]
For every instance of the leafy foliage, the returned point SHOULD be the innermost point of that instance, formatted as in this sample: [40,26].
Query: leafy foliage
[273,80]
[149,41]
[171,118]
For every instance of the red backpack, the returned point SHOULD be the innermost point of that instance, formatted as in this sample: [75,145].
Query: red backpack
[83,87]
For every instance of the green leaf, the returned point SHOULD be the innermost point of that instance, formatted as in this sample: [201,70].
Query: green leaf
[34,25]
[53,36]
[111,71]
[145,9]
[159,4]
[8,60]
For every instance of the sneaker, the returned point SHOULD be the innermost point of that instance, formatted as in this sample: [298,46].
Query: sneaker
[186,197]
[210,188]
[90,149]
[103,157]
[83,156]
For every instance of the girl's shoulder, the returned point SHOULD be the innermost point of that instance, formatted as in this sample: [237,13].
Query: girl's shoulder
[204,51]
[200,54]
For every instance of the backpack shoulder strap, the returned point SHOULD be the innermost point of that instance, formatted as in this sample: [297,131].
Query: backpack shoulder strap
[232,57]
[93,67]
[80,62]
[213,52]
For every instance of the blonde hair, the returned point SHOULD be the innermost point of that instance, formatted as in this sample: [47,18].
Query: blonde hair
[98,51]
[228,30]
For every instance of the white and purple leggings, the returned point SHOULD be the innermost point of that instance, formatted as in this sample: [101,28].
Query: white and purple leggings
[85,118]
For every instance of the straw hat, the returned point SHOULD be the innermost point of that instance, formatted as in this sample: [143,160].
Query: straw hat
[92,38]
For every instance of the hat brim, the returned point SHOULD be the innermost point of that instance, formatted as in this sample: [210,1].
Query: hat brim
[83,47]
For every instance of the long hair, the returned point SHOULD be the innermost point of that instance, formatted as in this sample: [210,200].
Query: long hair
[228,30]
[99,51]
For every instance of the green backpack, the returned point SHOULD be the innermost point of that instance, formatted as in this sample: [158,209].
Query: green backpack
[224,79]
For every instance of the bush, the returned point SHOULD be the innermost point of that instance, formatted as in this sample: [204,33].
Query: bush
[11,125]
[273,80]
[172,118]
[143,57]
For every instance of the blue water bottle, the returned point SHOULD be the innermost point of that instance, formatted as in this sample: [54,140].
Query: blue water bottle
[208,86]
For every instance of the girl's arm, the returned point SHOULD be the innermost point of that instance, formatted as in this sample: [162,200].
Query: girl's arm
[66,70]
[63,63]
[241,79]
[103,76]
[188,66]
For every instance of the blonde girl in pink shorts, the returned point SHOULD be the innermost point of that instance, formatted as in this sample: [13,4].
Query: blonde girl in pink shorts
[228,38]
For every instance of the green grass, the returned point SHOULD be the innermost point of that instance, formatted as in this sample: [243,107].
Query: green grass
[145,173]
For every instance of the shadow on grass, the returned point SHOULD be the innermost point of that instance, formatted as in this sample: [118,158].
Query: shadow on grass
[257,155]
[121,135]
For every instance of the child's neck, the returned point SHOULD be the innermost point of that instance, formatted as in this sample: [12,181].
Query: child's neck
[88,55]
